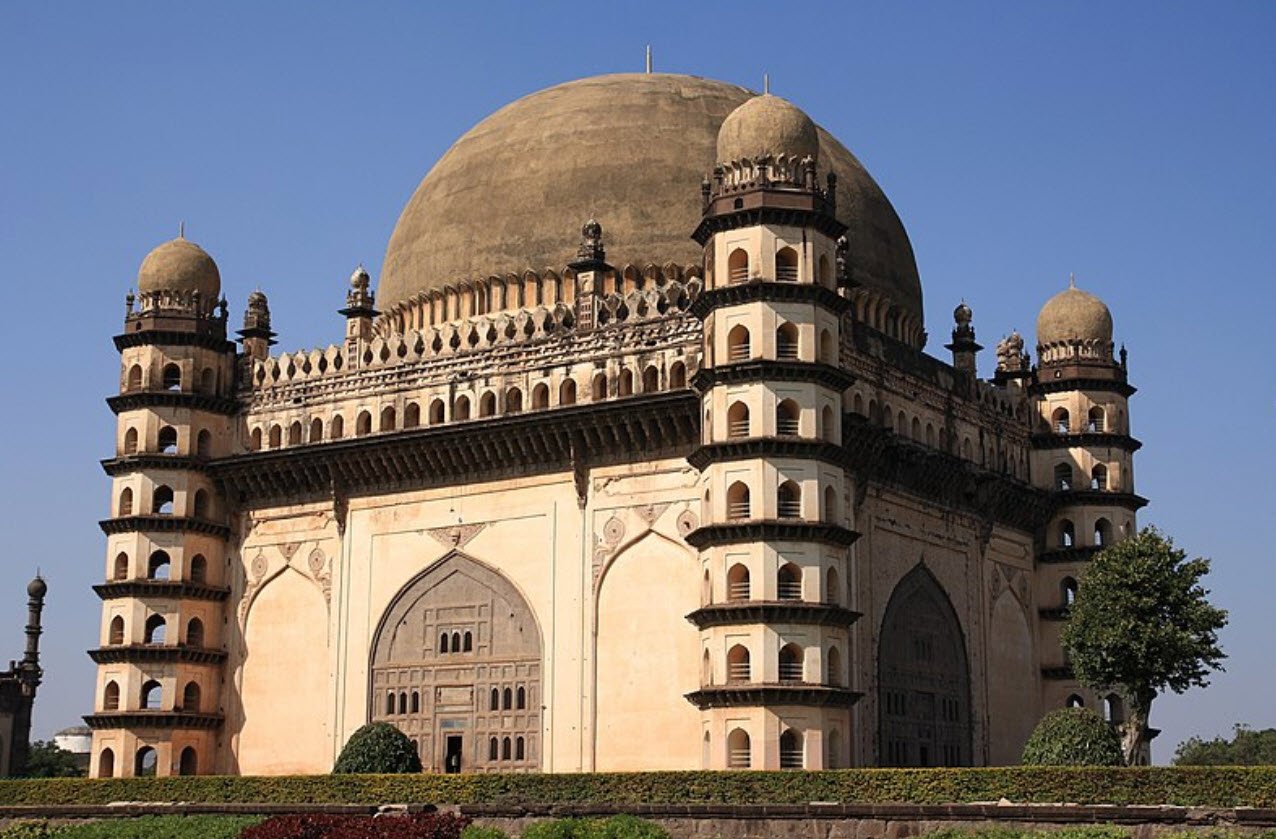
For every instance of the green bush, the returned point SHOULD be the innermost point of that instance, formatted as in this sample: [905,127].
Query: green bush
[378,748]
[1073,737]
[27,829]
[476,831]
[158,827]
[615,827]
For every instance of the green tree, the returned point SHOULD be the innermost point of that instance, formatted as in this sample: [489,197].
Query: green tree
[1246,748]
[378,748]
[1141,623]
[48,760]
[1072,737]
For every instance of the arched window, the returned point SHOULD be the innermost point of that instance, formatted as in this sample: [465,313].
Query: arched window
[513,401]
[1102,533]
[159,566]
[294,433]
[834,667]
[199,569]
[208,381]
[598,391]
[520,748]
[567,392]
[145,762]
[200,505]
[493,749]
[1099,477]
[387,419]
[389,704]
[1063,476]
[930,435]
[1096,420]
[411,415]
[520,699]
[1067,534]
[254,441]
[167,440]
[738,667]
[106,764]
[540,397]
[276,436]
[1060,421]
[650,379]
[625,386]
[403,702]
[828,424]
[126,502]
[788,418]
[507,699]
[496,700]
[162,500]
[738,582]
[456,642]
[152,696]
[833,587]
[786,265]
[788,582]
[677,375]
[790,663]
[115,635]
[706,669]
[901,427]
[130,441]
[835,750]
[1113,709]
[1068,591]
[467,642]
[831,506]
[738,420]
[172,377]
[443,645]
[1075,701]
[436,411]
[316,430]
[120,571]
[738,501]
[189,762]
[338,427]
[190,697]
[790,750]
[505,748]
[738,343]
[822,272]
[204,444]
[737,266]
[487,404]
[739,750]
[788,500]
[156,629]
[195,633]
[134,378]
[461,408]
[917,430]
[786,342]
[828,352]
[363,424]
[111,697]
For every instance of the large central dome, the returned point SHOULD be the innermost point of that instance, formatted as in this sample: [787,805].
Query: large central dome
[629,150]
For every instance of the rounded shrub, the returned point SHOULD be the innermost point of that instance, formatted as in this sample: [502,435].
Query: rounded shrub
[378,748]
[1073,737]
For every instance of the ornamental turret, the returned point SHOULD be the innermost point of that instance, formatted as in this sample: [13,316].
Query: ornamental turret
[157,708]
[775,621]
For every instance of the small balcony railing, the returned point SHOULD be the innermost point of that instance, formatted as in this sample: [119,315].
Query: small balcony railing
[738,591]
[739,352]
[790,671]
[739,759]
[788,590]
[738,428]
[789,509]
[791,759]
[789,427]
[786,273]
[786,351]
[737,510]
[739,672]
[738,275]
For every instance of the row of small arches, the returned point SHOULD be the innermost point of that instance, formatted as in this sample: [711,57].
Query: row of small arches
[162,503]
[1095,421]
[507,748]
[788,584]
[159,567]
[788,502]
[883,314]
[1066,533]
[1113,706]
[786,268]
[170,379]
[790,665]
[787,421]
[463,408]
[145,762]
[787,346]
[151,697]
[155,632]
[1065,478]
[166,442]
[792,749]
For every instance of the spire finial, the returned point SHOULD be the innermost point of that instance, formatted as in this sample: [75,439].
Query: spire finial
[649,59]
[1072,280]
[181,229]
[766,82]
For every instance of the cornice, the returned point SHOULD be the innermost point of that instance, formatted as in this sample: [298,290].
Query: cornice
[800,612]
[104,720]
[1095,439]
[754,694]
[137,399]
[156,653]
[128,464]
[178,589]
[763,370]
[779,446]
[770,530]
[167,524]
[769,291]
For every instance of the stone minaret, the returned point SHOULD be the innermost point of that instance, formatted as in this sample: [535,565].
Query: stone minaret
[774,544]
[159,682]
[1083,453]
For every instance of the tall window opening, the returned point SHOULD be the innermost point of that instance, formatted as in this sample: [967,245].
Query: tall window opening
[786,265]
[788,418]
[738,583]
[739,750]
[738,420]
[1060,421]
[158,566]
[738,501]
[788,582]
[737,266]
[567,392]
[788,500]
[790,663]
[156,629]
[786,342]
[738,666]
[387,419]
[172,377]
[790,750]
[411,415]
[738,343]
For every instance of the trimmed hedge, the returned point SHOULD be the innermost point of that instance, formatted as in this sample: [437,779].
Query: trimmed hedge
[375,749]
[1073,737]
[1203,786]
[421,826]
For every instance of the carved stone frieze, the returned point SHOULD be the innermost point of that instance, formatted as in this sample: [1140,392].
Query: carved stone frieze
[456,535]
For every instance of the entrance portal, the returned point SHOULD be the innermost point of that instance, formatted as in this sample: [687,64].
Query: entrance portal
[452,761]
[923,679]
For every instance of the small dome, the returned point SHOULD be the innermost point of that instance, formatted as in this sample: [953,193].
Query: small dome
[37,587]
[767,124]
[1074,315]
[180,265]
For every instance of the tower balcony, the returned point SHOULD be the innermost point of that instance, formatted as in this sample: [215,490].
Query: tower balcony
[789,610]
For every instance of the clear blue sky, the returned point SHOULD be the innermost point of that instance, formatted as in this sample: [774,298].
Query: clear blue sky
[1131,143]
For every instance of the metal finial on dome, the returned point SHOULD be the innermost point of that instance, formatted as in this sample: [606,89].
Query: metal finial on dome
[181,229]
[591,242]
[649,59]
[766,83]
[1072,280]
[962,314]
[359,277]
[37,588]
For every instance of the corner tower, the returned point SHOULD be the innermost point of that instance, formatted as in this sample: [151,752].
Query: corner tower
[774,621]
[1084,454]
[160,654]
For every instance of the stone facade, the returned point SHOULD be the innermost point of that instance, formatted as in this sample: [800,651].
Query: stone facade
[674,515]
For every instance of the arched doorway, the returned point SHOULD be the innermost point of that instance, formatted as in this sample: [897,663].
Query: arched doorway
[456,663]
[923,678]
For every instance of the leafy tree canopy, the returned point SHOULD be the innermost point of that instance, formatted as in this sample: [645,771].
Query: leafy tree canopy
[48,760]
[1073,737]
[378,748]
[1141,623]
[1246,748]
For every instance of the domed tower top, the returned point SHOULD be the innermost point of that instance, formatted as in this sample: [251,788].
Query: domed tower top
[767,125]
[1074,315]
[181,266]
[37,588]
